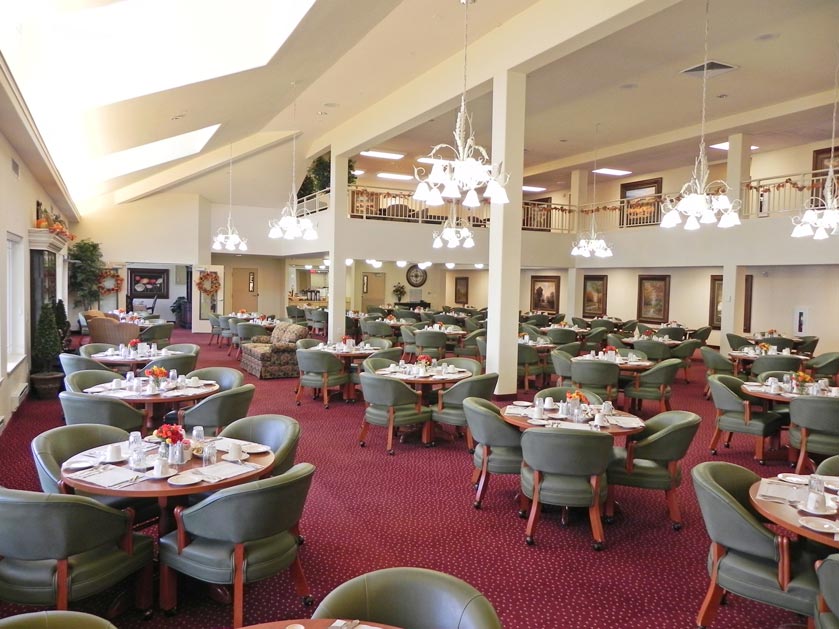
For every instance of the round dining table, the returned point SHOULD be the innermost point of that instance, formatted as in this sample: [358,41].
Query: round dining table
[789,516]
[523,423]
[746,357]
[311,623]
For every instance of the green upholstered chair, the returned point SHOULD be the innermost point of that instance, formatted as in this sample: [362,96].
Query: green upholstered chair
[561,362]
[445,319]
[579,322]
[307,343]
[375,361]
[391,403]
[226,377]
[481,343]
[594,339]
[702,334]
[561,393]
[401,313]
[226,335]
[449,407]
[185,348]
[615,341]
[573,349]
[808,345]
[603,323]
[409,342]
[78,381]
[559,318]
[628,327]
[529,364]
[58,549]
[824,366]
[716,363]
[827,606]
[390,353]
[498,444]
[829,467]
[813,429]
[626,351]
[736,341]
[566,468]
[372,364]
[655,350]
[464,362]
[182,363]
[470,324]
[652,459]
[532,331]
[378,329]
[599,376]
[376,310]
[413,598]
[561,336]
[352,328]
[320,371]
[431,342]
[684,351]
[83,408]
[378,341]
[735,414]
[673,332]
[244,333]
[71,363]
[747,558]
[55,619]
[215,328]
[773,363]
[227,538]
[279,432]
[781,342]
[540,320]
[296,314]
[160,333]
[218,410]
[469,346]
[654,384]
[95,348]
[320,322]
[643,327]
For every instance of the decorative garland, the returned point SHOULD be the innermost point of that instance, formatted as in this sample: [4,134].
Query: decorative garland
[208,283]
[107,287]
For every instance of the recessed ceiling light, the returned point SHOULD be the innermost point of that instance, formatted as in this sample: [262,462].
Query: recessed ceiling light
[628,86]
[395,176]
[383,154]
[357,172]
[532,189]
[424,265]
[307,266]
[723,146]
[431,160]
[612,171]
[767,36]
[330,105]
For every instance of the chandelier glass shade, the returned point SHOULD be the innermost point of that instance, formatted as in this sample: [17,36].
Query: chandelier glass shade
[820,217]
[701,202]
[454,233]
[227,238]
[592,244]
[458,171]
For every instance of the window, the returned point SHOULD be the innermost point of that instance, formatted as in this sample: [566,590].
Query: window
[14,332]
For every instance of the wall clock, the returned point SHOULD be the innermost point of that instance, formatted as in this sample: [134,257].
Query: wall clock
[416,276]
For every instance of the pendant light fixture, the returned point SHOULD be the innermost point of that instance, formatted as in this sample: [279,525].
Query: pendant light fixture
[228,238]
[592,243]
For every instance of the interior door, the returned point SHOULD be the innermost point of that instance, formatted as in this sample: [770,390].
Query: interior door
[207,295]
[245,293]
[372,290]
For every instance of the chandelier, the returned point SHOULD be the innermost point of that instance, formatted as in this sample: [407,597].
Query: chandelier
[467,166]
[228,238]
[290,226]
[699,200]
[592,244]
[821,215]
[455,232]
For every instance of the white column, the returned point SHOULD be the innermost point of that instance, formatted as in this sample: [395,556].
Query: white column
[738,166]
[508,102]
[733,301]
[574,293]
[337,253]
[579,187]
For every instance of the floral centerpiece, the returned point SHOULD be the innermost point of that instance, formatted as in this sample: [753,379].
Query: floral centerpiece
[576,395]
[133,344]
[170,433]
[610,348]
[563,324]
[763,347]
[802,377]
[390,317]
[398,291]
[156,374]
[424,359]
[771,331]
[649,333]
[242,311]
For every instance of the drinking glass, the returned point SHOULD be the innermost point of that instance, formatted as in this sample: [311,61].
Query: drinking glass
[209,455]
[135,441]
[198,434]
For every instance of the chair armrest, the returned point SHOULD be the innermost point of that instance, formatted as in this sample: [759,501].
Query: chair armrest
[260,339]
[183,538]
[126,543]
[283,346]
[783,561]
[747,411]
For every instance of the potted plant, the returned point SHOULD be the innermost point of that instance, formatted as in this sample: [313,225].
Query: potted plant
[398,291]
[85,268]
[63,324]
[46,346]
[179,308]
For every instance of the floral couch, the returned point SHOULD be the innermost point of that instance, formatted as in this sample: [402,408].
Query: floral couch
[274,356]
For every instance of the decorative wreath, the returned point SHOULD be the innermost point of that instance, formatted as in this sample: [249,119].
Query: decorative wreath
[109,282]
[208,283]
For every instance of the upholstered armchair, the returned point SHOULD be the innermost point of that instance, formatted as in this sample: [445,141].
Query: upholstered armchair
[107,330]
[78,381]
[83,408]
[449,408]
[391,403]
[274,356]
[279,432]
[827,610]
[320,371]
[55,619]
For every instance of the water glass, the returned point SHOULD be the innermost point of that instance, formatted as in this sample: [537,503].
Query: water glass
[135,441]
[198,434]
[209,455]
[137,460]
[173,375]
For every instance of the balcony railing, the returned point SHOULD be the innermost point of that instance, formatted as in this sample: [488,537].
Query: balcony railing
[781,194]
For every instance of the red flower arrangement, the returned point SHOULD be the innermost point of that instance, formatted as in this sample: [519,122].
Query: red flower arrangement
[390,317]
[610,348]
[156,374]
[803,377]
[648,333]
[170,433]
[424,359]
[576,395]
[133,343]
[763,347]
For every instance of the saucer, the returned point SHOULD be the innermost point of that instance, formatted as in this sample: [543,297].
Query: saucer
[227,457]
[522,403]
[825,510]
[78,465]
[120,459]
[255,448]
[795,479]
[819,524]
[150,474]
[185,479]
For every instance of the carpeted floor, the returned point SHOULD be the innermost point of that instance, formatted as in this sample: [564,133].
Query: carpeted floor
[367,510]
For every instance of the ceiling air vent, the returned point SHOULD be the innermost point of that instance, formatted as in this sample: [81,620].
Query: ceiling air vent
[715,68]
[15,169]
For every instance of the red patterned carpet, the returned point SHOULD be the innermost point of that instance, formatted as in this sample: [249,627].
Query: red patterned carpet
[367,511]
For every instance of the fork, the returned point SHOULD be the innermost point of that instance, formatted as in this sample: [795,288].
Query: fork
[126,482]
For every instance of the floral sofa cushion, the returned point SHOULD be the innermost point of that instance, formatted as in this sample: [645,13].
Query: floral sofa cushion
[274,357]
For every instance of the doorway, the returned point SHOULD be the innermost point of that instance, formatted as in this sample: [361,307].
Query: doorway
[372,290]
[245,290]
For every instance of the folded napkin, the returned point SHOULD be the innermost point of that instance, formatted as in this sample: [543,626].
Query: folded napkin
[519,411]
[223,470]
[119,393]
[778,491]
[107,475]
[572,425]
[183,392]
[625,422]
[223,443]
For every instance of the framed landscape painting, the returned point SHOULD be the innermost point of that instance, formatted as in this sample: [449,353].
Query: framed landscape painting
[653,298]
[594,295]
[715,303]
[461,290]
[544,293]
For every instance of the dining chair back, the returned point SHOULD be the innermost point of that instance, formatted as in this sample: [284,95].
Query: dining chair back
[95,348]
[655,350]
[615,341]
[431,343]
[83,408]
[469,345]
[401,313]
[684,352]
[565,468]
[560,336]
[824,366]
[559,318]
[159,333]
[781,342]
[539,320]
[218,410]
[481,344]
[777,362]
[626,351]
[449,407]
[572,349]
[379,329]
[827,607]
[674,333]
[473,323]
[227,538]
[654,384]
[244,333]
[307,343]
[78,381]
[464,362]
[185,348]
[603,323]
[702,334]
[808,345]
[320,322]
[746,557]
[600,376]
[736,341]
[226,323]
[628,327]
[182,363]
[377,341]
[529,364]
[813,430]
[561,362]
[372,364]
[643,327]
[352,328]
[410,597]
[579,322]
[70,363]
[594,339]
[530,330]
[320,371]
[215,328]
[226,377]
[560,394]
[281,433]
[296,314]
[391,403]
[106,330]
[55,619]
[445,319]
[376,310]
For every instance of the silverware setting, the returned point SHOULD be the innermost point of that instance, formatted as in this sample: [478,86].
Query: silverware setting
[127,482]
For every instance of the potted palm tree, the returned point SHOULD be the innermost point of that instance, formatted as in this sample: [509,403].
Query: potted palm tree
[46,346]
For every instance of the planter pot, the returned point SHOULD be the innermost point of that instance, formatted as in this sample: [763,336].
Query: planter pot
[46,385]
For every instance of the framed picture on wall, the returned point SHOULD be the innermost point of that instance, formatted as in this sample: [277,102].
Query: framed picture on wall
[148,283]
[461,290]
[747,305]
[544,293]
[364,283]
[715,303]
[821,158]
[653,298]
[594,295]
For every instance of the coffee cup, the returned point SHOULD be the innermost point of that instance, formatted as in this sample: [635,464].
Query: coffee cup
[549,402]
[235,450]
[608,408]
[600,420]
[775,387]
[114,452]
[116,383]
[815,501]
[161,467]
[194,381]
[538,412]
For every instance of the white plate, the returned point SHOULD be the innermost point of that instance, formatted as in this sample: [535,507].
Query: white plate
[795,479]
[150,474]
[227,457]
[819,524]
[185,479]
[826,510]
[255,448]
[78,465]
[832,484]
[152,439]
[522,403]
